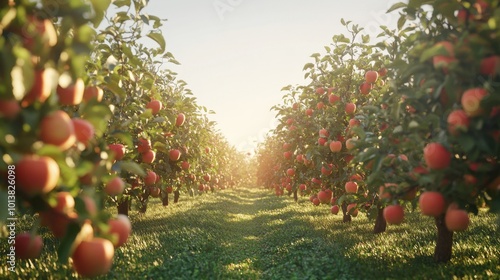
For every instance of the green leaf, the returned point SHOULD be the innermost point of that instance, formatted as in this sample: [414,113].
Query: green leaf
[132,167]
[396,6]
[124,138]
[64,249]
[158,38]
[100,8]
[121,3]
[433,51]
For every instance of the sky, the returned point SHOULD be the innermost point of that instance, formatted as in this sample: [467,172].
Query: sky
[236,55]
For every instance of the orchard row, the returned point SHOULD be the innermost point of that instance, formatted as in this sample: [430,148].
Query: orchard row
[91,118]
[408,120]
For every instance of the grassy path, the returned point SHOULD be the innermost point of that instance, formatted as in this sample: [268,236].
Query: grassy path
[249,234]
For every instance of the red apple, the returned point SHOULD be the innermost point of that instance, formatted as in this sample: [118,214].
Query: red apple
[84,131]
[115,186]
[350,143]
[9,109]
[333,99]
[471,101]
[335,209]
[93,257]
[490,66]
[40,89]
[207,177]
[436,156]
[149,156]
[394,214]
[456,219]
[118,150]
[457,121]
[174,155]
[432,203]
[180,119]
[57,129]
[320,90]
[335,146]
[185,165]
[325,196]
[371,76]
[72,94]
[28,246]
[350,108]
[155,106]
[309,112]
[93,92]
[36,174]
[143,145]
[351,187]
[290,172]
[365,88]
[65,203]
[150,178]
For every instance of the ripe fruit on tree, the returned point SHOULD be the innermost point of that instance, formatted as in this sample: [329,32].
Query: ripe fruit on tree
[333,99]
[150,178]
[471,101]
[93,92]
[290,172]
[174,155]
[320,90]
[436,156]
[371,76]
[118,150]
[352,209]
[115,186]
[350,143]
[327,170]
[149,156]
[325,196]
[316,201]
[335,209]
[335,146]
[323,133]
[120,227]
[350,108]
[180,119]
[40,89]
[28,246]
[38,31]
[394,214]
[443,61]
[456,219]
[143,145]
[351,187]
[169,189]
[365,88]
[93,257]
[490,66]
[432,203]
[382,72]
[287,155]
[185,165]
[354,122]
[155,106]
[322,141]
[71,94]
[57,129]
[65,203]
[302,187]
[9,108]
[36,174]
[84,131]
[309,112]
[457,121]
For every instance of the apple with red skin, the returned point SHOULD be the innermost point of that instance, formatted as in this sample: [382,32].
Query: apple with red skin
[72,94]
[150,178]
[120,227]
[84,130]
[350,143]
[174,155]
[154,191]
[471,101]
[335,146]
[290,121]
[456,219]
[309,112]
[118,150]
[180,119]
[333,99]
[322,141]
[93,93]
[143,145]
[394,214]
[65,203]
[327,170]
[436,156]
[155,106]
[325,196]
[316,201]
[93,257]
[28,246]
[9,109]
[320,105]
[457,121]
[290,172]
[295,106]
[302,187]
[371,76]
[115,186]
[335,209]
[443,61]
[320,90]
[185,165]
[36,174]
[350,108]
[40,89]
[207,177]
[38,31]
[57,129]
[432,203]
[490,66]
[287,155]
[169,189]
[365,88]
[149,156]
[351,208]
[323,133]
[287,146]
[354,122]
[382,72]
[351,187]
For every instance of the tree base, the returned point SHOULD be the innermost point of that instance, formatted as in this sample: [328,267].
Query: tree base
[346,218]
[123,206]
[380,223]
[165,200]
[177,194]
[444,243]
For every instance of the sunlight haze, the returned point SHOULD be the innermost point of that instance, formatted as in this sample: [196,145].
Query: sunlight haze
[236,55]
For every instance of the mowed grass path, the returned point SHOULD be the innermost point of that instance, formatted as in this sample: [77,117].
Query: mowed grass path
[250,234]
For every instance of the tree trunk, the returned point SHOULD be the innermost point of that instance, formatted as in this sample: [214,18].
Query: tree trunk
[347,217]
[123,206]
[380,223]
[176,196]
[295,196]
[143,208]
[442,251]
[165,199]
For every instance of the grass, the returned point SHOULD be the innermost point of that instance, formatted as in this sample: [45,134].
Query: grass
[249,234]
